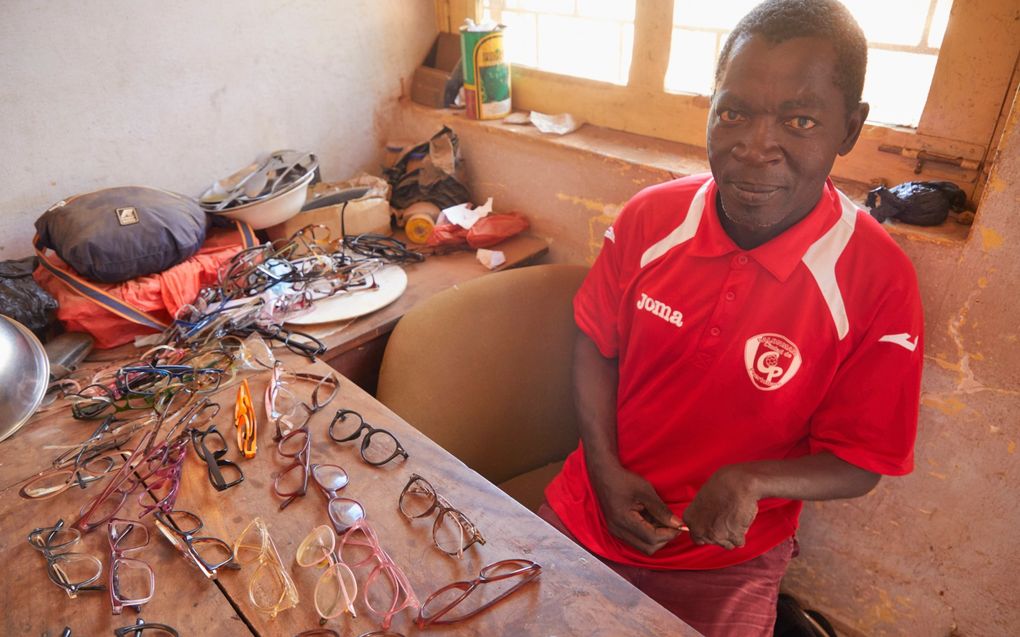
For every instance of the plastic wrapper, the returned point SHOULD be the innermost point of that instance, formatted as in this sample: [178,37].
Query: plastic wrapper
[429,172]
[22,299]
[921,203]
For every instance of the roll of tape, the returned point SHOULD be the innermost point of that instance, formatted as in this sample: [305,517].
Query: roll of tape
[419,228]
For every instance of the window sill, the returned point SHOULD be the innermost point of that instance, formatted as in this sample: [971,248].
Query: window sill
[674,159]
[648,152]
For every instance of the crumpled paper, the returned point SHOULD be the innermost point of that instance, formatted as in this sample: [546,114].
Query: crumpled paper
[491,259]
[463,215]
[560,124]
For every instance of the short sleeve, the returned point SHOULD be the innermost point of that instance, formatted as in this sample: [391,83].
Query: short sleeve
[869,415]
[597,302]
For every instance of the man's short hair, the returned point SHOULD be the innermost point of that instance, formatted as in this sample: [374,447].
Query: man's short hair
[782,20]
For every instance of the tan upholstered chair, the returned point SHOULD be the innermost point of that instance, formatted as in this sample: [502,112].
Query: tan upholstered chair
[484,370]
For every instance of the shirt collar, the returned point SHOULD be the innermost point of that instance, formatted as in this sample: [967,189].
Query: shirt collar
[780,255]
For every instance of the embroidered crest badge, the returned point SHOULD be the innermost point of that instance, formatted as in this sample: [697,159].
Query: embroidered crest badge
[771,360]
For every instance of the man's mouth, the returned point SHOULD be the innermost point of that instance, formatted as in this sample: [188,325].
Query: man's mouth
[753,193]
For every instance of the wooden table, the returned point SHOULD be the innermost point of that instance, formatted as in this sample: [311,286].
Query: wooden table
[575,594]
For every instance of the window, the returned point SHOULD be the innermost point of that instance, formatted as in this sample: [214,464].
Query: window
[945,94]
[582,38]
[904,37]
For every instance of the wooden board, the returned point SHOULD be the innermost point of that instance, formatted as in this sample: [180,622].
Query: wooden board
[33,605]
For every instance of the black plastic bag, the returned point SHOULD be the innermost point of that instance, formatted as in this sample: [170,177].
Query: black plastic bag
[429,172]
[22,299]
[792,620]
[921,203]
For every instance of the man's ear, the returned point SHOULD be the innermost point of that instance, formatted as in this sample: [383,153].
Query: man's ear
[854,126]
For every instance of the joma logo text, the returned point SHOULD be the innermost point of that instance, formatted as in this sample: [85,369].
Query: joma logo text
[660,309]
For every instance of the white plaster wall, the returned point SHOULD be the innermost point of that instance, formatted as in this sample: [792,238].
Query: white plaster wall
[177,94]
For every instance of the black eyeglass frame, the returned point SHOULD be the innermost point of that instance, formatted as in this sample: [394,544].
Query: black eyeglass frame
[342,415]
[214,458]
[141,626]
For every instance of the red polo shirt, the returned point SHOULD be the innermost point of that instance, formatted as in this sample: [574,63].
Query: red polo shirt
[810,342]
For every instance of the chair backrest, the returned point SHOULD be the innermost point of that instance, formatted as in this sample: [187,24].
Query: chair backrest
[484,369]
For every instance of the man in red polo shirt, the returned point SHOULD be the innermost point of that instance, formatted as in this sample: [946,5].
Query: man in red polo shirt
[751,339]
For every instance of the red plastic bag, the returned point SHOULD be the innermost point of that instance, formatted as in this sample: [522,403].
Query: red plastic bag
[487,231]
[447,234]
[491,229]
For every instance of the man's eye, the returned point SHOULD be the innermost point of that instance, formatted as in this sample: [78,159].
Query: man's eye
[801,123]
[727,115]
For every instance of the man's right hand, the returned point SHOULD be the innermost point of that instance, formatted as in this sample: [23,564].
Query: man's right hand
[634,512]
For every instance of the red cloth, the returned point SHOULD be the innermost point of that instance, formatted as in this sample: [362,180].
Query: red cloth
[160,295]
[807,343]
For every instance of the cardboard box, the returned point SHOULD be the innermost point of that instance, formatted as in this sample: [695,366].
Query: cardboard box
[370,214]
[428,86]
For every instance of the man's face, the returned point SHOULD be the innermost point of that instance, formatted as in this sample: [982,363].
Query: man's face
[776,124]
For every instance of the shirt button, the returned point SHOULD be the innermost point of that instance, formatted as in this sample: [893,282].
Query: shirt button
[715,331]
[742,259]
[730,296]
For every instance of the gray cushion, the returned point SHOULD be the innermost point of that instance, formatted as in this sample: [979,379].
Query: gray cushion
[117,234]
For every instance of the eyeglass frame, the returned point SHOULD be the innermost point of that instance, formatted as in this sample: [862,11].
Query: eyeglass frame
[141,626]
[167,372]
[245,421]
[96,406]
[117,556]
[273,388]
[52,558]
[140,455]
[332,562]
[214,459]
[530,570]
[440,505]
[302,460]
[88,451]
[331,496]
[384,563]
[166,525]
[268,557]
[341,415]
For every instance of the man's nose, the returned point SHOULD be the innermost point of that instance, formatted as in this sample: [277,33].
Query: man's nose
[760,145]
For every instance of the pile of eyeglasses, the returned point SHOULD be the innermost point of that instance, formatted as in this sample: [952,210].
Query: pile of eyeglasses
[261,287]
[153,412]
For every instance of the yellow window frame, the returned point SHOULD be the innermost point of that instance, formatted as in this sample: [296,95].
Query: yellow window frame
[975,78]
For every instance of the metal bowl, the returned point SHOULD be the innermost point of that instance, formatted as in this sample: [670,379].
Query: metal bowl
[24,375]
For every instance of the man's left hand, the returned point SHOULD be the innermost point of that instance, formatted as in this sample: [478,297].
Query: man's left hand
[723,509]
